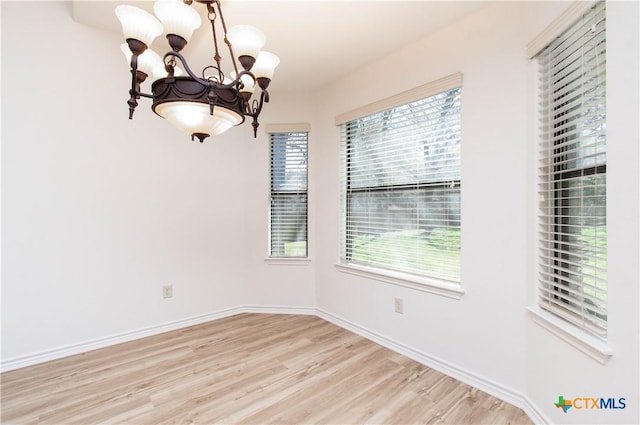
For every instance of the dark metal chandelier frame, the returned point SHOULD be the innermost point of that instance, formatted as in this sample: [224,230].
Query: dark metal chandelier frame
[205,89]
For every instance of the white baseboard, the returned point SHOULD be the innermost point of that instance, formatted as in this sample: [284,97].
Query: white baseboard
[486,385]
[279,309]
[58,353]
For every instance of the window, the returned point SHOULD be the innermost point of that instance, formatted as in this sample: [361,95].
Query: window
[288,195]
[401,185]
[572,186]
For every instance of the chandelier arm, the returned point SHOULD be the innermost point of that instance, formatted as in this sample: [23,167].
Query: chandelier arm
[134,92]
[254,110]
[218,70]
[255,124]
[238,81]
[186,67]
[256,106]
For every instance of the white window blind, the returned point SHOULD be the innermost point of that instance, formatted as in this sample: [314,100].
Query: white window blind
[288,197]
[572,187]
[401,188]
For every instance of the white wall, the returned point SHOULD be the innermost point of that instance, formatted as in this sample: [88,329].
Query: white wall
[98,211]
[487,335]
[275,285]
[488,50]
[553,367]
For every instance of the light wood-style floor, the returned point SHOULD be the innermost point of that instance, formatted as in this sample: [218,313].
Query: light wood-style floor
[249,368]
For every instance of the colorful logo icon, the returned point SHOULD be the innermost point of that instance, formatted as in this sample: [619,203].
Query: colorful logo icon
[589,403]
[563,404]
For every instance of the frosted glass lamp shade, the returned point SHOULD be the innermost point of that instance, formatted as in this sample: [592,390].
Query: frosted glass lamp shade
[194,118]
[138,24]
[265,65]
[177,18]
[147,61]
[246,40]
[249,83]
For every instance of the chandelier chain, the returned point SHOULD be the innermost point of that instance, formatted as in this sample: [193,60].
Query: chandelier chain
[226,40]
[212,18]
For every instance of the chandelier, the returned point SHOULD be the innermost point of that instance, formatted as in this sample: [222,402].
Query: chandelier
[204,105]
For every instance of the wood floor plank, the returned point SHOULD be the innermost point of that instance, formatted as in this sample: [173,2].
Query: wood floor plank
[266,399]
[248,368]
[299,406]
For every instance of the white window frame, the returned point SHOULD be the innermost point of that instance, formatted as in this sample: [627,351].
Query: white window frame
[580,339]
[283,129]
[423,283]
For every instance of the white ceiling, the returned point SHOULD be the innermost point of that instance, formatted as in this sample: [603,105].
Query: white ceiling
[317,41]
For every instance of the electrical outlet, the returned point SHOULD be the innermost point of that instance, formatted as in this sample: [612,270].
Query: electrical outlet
[398,305]
[167,291]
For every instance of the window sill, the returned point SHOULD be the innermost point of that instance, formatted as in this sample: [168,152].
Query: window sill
[287,261]
[445,289]
[593,347]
